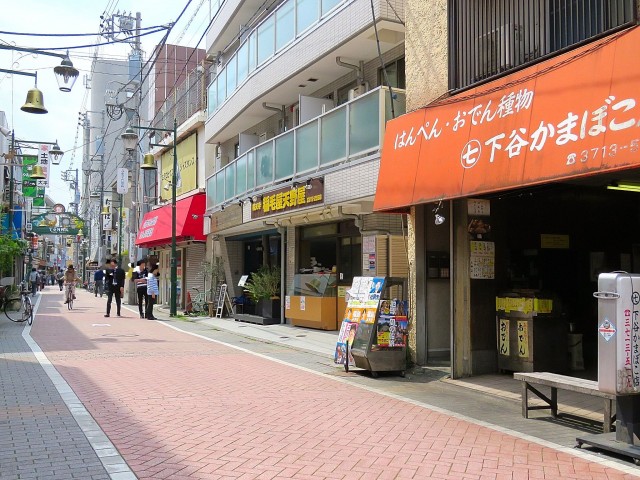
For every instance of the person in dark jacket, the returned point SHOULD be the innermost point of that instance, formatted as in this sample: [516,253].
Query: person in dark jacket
[114,282]
[139,277]
[98,286]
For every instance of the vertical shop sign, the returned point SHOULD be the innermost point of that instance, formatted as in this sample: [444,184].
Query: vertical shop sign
[30,186]
[503,337]
[43,161]
[523,339]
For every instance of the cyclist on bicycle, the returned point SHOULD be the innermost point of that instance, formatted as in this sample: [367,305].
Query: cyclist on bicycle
[70,279]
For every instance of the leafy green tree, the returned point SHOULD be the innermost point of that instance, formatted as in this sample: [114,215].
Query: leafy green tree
[10,248]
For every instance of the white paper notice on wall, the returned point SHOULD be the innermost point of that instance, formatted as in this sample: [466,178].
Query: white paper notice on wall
[482,260]
[480,207]
[303,304]
[369,244]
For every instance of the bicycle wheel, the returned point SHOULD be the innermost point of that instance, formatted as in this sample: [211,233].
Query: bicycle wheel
[69,300]
[14,309]
[197,306]
[28,310]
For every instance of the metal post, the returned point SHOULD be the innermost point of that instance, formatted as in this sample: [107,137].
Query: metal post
[101,230]
[120,233]
[12,187]
[174,265]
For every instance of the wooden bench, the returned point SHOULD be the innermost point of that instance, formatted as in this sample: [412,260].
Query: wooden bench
[562,382]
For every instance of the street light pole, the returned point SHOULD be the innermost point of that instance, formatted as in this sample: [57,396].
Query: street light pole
[12,187]
[173,308]
[120,232]
[174,264]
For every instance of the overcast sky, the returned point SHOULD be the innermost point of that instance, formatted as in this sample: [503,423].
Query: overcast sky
[72,17]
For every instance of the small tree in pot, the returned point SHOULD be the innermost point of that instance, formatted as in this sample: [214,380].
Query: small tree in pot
[264,288]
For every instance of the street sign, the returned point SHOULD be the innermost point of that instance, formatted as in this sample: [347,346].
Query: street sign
[123,180]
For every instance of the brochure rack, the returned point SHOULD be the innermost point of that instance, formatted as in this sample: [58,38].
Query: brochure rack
[374,330]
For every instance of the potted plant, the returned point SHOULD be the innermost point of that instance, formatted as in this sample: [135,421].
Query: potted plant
[264,289]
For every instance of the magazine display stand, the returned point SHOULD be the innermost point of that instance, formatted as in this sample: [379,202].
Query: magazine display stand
[373,335]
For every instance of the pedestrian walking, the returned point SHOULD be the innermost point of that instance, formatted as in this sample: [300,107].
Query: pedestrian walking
[41,280]
[139,277]
[152,291]
[60,278]
[98,283]
[33,281]
[114,280]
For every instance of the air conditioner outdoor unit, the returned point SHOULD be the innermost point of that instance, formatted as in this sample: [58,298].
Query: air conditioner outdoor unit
[499,49]
[356,92]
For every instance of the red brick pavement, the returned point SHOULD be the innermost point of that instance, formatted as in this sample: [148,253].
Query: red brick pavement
[180,407]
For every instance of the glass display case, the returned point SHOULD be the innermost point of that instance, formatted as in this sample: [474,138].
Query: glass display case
[312,301]
[314,285]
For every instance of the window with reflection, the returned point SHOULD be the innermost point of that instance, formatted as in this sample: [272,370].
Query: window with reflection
[285,22]
[221,80]
[243,62]
[230,181]
[364,128]
[307,147]
[328,5]
[219,187]
[265,39]
[231,75]
[251,170]
[307,11]
[333,138]
[241,175]
[264,155]
[284,156]
[253,51]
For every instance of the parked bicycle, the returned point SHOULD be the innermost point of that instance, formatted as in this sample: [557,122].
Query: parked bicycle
[198,303]
[17,304]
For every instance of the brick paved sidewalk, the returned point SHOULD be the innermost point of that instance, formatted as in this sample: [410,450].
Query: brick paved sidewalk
[177,406]
[39,436]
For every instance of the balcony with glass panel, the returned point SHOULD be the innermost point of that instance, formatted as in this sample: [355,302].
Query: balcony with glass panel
[292,52]
[351,132]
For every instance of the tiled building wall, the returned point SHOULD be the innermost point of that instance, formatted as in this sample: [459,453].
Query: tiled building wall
[385,223]
[352,182]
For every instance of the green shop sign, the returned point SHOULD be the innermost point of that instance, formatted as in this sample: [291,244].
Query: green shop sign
[57,224]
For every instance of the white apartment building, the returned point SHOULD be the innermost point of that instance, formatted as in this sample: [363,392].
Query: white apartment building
[297,112]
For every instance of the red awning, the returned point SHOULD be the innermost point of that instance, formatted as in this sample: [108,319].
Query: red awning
[574,115]
[155,228]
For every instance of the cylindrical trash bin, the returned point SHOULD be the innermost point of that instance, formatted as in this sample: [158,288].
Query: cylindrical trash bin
[576,360]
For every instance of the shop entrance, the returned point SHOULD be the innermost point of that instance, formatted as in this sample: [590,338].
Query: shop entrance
[551,243]
[264,250]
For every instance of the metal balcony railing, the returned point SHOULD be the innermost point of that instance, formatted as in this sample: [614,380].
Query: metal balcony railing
[351,131]
[488,38]
[289,21]
[186,99]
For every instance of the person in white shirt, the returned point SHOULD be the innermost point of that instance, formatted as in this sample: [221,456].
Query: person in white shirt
[152,291]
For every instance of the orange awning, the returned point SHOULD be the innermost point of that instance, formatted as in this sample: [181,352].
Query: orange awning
[574,115]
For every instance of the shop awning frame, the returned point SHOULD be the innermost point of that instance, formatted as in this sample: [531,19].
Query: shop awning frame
[155,227]
[572,116]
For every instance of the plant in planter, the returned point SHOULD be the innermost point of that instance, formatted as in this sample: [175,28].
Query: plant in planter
[264,288]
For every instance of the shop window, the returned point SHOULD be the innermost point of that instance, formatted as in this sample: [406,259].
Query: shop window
[323,247]
[395,74]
